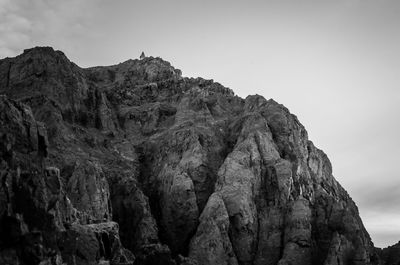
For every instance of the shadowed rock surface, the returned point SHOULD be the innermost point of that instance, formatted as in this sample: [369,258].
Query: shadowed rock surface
[135,164]
[390,255]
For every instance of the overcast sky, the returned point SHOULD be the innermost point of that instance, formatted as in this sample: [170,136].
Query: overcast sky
[335,64]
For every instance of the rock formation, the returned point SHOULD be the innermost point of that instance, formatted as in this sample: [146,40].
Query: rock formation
[390,255]
[135,164]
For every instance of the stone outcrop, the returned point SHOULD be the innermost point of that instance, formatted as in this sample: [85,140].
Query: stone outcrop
[39,221]
[135,164]
[390,255]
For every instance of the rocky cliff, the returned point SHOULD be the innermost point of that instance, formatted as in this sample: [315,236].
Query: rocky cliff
[135,164]
[390,255]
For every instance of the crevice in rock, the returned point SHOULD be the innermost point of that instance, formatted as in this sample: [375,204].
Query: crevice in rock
[231,235]
[282,248]
[149,189]
[260,196]
[106,244]
[185,252]
[257,242]
[5,188]
[42,146]
[97,103]
[8,75]
[145,167]
[6,149]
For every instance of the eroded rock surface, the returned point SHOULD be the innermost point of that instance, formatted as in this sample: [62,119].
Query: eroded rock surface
[133,163]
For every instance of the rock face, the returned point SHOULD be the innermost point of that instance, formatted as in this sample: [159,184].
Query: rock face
[134,164]
[390,255]
[39,221]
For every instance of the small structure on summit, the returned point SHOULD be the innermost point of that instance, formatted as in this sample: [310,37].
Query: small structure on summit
[142,56]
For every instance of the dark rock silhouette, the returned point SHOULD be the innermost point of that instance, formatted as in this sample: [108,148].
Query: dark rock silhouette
[390,255]
[134,164]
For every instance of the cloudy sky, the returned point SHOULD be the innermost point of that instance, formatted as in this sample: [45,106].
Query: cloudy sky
[335,64]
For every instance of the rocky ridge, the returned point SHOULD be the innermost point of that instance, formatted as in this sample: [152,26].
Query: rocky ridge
[135,164]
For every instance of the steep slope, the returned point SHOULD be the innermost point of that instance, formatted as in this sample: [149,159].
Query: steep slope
[178,170]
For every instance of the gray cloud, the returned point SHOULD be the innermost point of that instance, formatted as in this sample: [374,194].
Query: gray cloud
[15,28]
[26,23]
[380,196]
[384,227]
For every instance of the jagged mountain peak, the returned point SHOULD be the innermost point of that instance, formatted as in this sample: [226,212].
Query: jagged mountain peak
[42,50]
